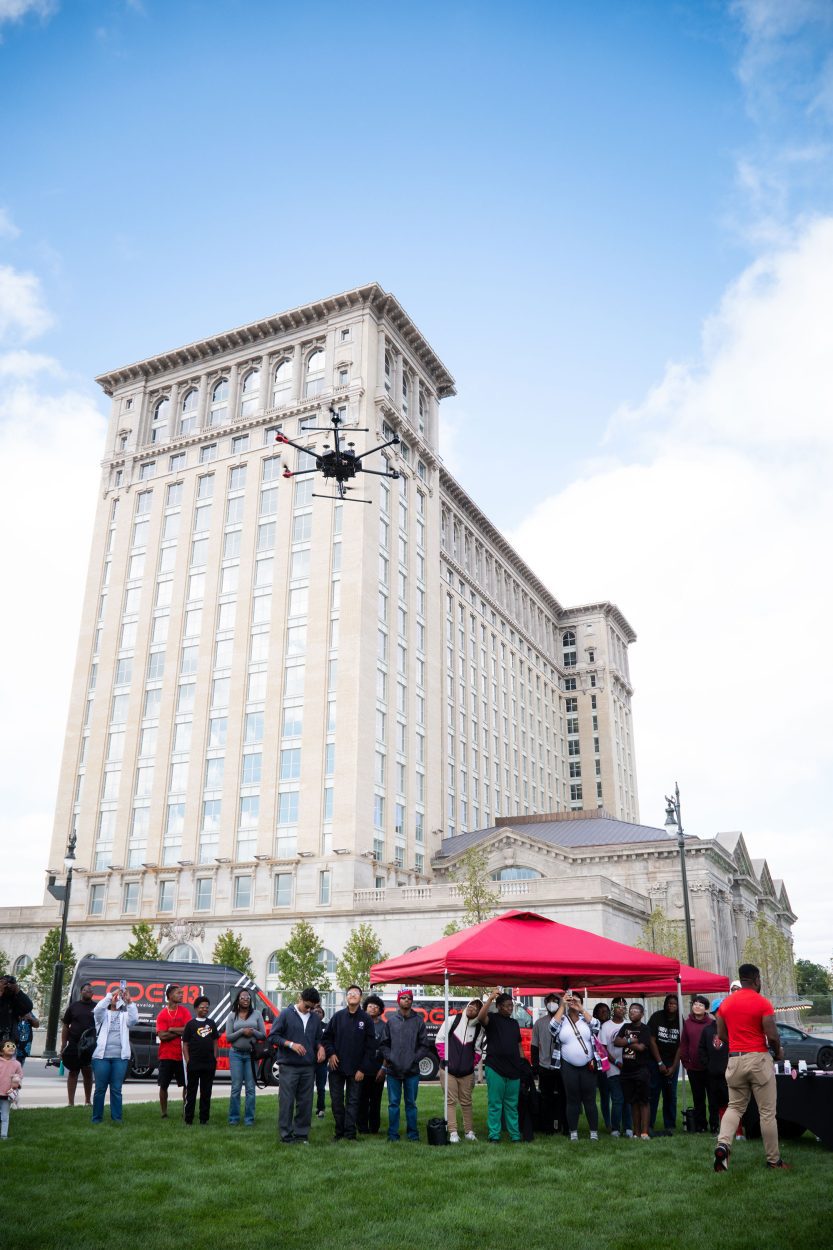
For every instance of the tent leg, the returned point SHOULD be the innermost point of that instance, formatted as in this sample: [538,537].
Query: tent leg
[680,1019]
[445,1082]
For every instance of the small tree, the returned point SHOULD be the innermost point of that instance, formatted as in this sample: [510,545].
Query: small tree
[39,976]
[480,898]
[771,951]
[811,978]
[230,949]
[4,962]
[362,950]
[144,944]
[300,962]
[663,936]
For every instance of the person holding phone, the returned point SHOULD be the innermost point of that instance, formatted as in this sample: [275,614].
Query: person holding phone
[504,1064]
[575,1030]
[114,1016]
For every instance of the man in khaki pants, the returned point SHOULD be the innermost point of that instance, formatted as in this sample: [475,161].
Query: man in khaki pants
[746,1024]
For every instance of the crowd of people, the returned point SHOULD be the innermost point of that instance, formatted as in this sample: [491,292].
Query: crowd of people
[611,1063]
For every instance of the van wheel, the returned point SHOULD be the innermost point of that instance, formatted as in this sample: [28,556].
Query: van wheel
[270,1072]
[139,1071]
[429,1066]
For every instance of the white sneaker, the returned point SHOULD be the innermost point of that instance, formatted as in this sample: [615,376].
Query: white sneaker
[594,1136]
[574,1137]
[471,1137]
[615,1133]
[629,1132]
[454,1137]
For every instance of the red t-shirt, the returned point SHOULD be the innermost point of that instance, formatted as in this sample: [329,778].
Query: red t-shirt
[172,1019]
[743,1012]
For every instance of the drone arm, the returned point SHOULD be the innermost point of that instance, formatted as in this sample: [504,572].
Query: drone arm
[298,472]
[281,438]
[390,443]
[380,472]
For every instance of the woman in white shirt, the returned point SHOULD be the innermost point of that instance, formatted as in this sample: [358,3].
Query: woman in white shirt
[113,1017]
[575,1030]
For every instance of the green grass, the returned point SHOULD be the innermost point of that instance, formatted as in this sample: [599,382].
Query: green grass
[156,1183]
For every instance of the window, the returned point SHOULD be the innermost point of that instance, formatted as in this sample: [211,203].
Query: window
[147,471]
[176,464]
[159,424]
[576,791]
[521,873]
[95,905]
[323,887]
[208,453]
[218,411]
[283,889]
[250,394]
[242,891]
[202,894]
[239,444]
[282,389]
[314,383]
[167,890]
[290,769]
[130,898]
[188,412]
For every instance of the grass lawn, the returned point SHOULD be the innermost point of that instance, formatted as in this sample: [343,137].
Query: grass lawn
[155,1183]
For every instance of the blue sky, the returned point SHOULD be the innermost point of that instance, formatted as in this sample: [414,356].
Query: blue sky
[599,215]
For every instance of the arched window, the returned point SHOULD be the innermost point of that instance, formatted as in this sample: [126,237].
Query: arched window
[568,639]
[422,411]
[219,403]
[250,393]
[406,391]
[21,964]
[568,642]
[273,972]
[188,415]
[388,371]
[183,953]
[331,1000]
[516,874]
[282,389]
[315,373]
[159,425]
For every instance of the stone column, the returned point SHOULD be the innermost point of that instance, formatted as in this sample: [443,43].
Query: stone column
[233,387]
[202,401]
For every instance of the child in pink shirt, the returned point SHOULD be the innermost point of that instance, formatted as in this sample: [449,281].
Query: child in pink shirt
[11,1078]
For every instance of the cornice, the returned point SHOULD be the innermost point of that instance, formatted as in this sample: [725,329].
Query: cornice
[381,303]
[606,609]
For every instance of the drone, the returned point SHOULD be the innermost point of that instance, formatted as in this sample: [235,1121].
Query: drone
[340,463]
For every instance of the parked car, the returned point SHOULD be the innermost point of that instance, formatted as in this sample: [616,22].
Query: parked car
[146,981]
[807,1046]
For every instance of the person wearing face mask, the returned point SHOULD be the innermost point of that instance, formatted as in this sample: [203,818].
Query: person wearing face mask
[456,1044]
[689,1053]
[546,1063]
[620,1111]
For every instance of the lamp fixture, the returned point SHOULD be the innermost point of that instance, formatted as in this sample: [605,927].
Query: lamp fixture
[185,863]
[148,864]
[305,854]
[224,859]
[341,850]
[261,858]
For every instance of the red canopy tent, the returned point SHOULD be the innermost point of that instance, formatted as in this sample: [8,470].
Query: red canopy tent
[522,948]
[692,981]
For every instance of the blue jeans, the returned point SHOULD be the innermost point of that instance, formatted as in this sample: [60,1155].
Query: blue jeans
[108,1072]
[620,1113]
[664,1084]
[395,1086]
[240,1067]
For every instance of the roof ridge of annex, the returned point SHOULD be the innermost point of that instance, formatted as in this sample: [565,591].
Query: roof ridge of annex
[370,295]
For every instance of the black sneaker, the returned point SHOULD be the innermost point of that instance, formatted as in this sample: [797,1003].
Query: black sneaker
[721,1158]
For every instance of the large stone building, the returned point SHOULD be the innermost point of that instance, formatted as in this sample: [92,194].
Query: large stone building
[284,706]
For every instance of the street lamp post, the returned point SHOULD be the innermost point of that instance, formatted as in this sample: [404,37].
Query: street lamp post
[61,893]
[674,825]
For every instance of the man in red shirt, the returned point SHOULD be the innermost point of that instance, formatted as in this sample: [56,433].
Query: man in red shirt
[170,1025]
[746,1024]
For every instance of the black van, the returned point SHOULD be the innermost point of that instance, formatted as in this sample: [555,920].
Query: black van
[146,980]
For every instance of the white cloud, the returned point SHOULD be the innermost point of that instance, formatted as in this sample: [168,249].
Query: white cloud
[23,313]
[712,531]
[16,10]
[50,446]
[8,230]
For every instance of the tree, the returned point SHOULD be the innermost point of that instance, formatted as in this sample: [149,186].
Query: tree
[811,978]
[477,891]
[362,950]
[300,962]
[4,962]
[144,944]
[39,976]
[229,949]
[772,952]
[663,936]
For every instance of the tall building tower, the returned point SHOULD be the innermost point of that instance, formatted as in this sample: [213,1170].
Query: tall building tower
[282,702]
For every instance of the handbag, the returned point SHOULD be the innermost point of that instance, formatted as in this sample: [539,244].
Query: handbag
[602,1057]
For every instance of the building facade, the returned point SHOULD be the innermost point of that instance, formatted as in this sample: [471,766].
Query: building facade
[285,705]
